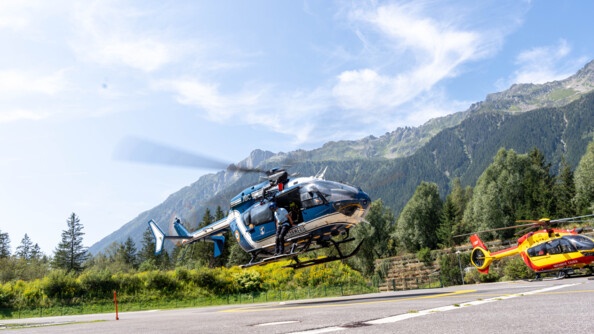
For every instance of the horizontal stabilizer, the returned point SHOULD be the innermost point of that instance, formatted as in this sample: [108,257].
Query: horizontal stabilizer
[219,243]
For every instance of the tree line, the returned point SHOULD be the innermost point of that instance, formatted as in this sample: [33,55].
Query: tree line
[513,187]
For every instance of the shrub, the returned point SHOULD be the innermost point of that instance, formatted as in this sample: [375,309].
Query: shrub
[128,283]
[161,282]
[98,283]
[59,284]
[450,269]
[473,276]
[515,268]
[424,255]
[6,296]
[248,281]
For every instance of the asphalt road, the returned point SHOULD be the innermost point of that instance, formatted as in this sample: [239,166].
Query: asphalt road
[513,307]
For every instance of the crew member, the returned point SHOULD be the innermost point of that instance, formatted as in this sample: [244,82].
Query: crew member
[283,224]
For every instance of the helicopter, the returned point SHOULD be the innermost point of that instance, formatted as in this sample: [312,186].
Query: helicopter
[323,211]
[548,249]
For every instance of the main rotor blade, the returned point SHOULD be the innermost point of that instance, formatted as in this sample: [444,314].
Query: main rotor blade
[535,223]
[578,219]
[496,229]
[144,151]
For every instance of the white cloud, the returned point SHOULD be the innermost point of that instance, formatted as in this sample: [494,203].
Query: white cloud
[286,113]
[427,47]
[207,97]
[14,14]
[7,116]
[406,50]
[107,34]
[543,64]
[17,83]
[23,90]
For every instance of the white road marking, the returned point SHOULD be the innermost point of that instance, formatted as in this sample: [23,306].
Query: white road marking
[322,330]
[405,316]
[276,323]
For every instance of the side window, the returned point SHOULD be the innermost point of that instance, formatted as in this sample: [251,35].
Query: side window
[554,247]
[566,246]
[310,199]
[538,250]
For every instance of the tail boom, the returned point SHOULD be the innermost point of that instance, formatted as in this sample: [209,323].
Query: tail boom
[204,234]
[481,257]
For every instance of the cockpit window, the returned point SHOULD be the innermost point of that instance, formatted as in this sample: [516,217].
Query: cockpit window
[566,244]
[554,247]
[333,191]
[310,198]
[538,250]
[580,242]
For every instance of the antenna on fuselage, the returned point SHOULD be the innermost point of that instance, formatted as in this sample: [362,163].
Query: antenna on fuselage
[321,173]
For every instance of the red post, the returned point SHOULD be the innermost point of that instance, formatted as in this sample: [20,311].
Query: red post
[115,301]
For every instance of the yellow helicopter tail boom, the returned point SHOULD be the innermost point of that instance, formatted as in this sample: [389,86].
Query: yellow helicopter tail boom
[481,257]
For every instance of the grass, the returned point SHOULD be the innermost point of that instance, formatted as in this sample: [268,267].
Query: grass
[131,303]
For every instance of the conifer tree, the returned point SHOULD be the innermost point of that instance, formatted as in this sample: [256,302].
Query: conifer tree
[584,182]
[147,251]
[146,257]
[202,252]
[25,249]
[127,253]
[537,190]
[70,254]
[564,191]
[4,245]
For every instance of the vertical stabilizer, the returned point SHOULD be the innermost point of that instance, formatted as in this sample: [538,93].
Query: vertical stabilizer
[480,256]
[159,236]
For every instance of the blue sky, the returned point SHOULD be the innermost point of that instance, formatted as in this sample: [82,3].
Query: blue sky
[223,78]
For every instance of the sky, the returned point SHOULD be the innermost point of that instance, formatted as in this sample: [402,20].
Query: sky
[223,78]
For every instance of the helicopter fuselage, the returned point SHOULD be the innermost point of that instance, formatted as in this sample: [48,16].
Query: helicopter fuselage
[553,249]
[321,210]
[543,250]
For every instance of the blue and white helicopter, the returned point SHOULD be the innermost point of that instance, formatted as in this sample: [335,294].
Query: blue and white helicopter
[323,213]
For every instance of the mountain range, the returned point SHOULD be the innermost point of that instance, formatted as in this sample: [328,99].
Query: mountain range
[555,117]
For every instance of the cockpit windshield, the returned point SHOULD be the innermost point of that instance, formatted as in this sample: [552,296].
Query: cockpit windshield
[580,242]
[334,191]
[321,192]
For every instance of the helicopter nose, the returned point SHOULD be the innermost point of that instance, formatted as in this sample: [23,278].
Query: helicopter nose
[364,199]
[359,201]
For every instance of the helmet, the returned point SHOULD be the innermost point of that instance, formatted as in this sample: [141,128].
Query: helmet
[272,206]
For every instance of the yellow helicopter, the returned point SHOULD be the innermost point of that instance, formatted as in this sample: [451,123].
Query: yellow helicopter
[547,249]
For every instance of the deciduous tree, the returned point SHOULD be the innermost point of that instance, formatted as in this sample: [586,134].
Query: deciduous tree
[377,235]
[417,225]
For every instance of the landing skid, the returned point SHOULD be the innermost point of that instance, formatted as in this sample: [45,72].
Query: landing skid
[562,273]
[296,264]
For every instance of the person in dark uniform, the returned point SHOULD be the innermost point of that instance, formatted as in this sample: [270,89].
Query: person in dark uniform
[283,224]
